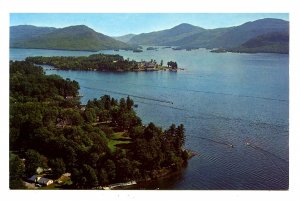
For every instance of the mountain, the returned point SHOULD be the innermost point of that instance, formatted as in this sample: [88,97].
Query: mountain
[78,37]
[275,42]
[238,35]
[189,36]
[166,37]
[184,35]
[25,32]
[124,38]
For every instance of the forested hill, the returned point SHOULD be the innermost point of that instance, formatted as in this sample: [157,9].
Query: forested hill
[171,36]
[275,42]
[78,37]
[100,143]
[26,32]
[189,36]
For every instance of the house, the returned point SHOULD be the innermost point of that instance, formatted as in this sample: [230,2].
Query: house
[40,180]
[45,181]
[150,65]
[34,178]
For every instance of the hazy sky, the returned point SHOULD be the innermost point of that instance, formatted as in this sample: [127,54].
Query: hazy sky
[120,24]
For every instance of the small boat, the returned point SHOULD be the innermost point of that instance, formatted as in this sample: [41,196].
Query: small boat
[247,143]
[135,105]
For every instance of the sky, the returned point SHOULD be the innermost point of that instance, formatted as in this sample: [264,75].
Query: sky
[117,24]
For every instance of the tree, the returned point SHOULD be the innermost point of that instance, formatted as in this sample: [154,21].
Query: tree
[106,102]
[16,172]
[136,131]
[70,157]
[103,176]
[93,159]
[90,115]
[124,169]
[180,135]
[172,64]
[58,167]
[129,103]
[90,175]
[76,176]
[33,161]
[151,131]
[71,116]
[123,105]
[110,168]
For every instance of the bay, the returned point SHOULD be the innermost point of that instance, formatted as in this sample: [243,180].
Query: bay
[223,99]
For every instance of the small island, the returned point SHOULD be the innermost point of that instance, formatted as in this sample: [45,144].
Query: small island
[56,142]
[152,48]
[137,50]
[101,62]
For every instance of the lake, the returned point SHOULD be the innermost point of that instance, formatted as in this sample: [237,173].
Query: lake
[223,99]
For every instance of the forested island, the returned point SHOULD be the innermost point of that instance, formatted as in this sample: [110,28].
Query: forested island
[55,142]
[101,62]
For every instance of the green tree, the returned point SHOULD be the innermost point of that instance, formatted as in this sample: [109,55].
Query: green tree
[71,116]
[90,175]
[70,156]
[180,137]
[110,168]
[90,115]
[151,131]
[16,172]
[129,103]
[124,169]
[76,177]
[33,161]
[103,177]
[123,105]
[136,131]
[93,159]
[58,167]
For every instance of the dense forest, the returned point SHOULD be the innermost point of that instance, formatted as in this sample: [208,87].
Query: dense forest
[101,62]
[100,143]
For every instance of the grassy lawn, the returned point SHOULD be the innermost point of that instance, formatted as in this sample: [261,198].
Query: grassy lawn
[118,138]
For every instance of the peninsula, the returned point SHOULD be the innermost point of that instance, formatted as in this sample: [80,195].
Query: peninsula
[102,62]
[55,142]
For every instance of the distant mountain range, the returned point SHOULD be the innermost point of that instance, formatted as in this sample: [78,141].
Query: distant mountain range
[189,36]
[172,37]
[264,35]
[78,37]
[124,38]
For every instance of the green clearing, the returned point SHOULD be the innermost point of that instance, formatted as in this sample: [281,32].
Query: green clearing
[116,139]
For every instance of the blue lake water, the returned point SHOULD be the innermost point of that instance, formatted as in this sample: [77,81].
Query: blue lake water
[222,99]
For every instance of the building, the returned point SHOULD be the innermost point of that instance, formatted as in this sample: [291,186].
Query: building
[151,65]
[45,181]
[34,179]
[40,180]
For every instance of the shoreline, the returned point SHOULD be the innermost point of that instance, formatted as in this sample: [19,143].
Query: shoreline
[163,174]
